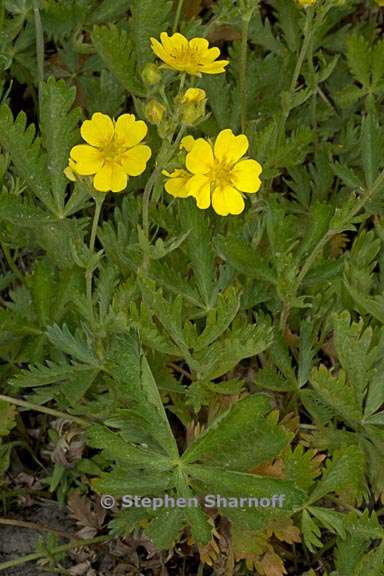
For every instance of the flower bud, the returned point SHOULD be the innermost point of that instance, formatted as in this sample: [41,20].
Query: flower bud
[151,74]
[154,112]
[307,3]
[192,105]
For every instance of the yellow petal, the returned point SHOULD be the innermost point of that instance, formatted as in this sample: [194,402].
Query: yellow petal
[187,143]
[230,148]
[199,44]
[175,43]
[88,159]
[245,175]
[211,55]
[177,183]
[134,160]
[217,67]
[70,170]
[110,177]
[129,131]
[227,200]
[200,187]
[159,50]
[97,131]
[200,159]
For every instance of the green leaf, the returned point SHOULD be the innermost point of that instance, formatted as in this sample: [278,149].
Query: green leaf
[149,18]
[245,259]
[199,249]
[210,480]
[311,532]
[372,142]
[72,345]
[337,392]
[353,346]
[359,59]
[126,480]
[224,354]
[58,125]
[135,384]
[25,151]
[7,418]
[344,472]
[222,443]
[115,48]
[122,451]
[219,319]
[165,528]
[50,373]
[330,519]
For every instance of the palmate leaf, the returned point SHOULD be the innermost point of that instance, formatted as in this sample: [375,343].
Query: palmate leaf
[225,353]
[344,474]
[352,556]
[219,319]
[165,528]
[72,345]
[359,59]
[25,151]
[50,373]
[118,449]
[149,18]
[58,125]
[135,384]
[199,249]
[115,48]
[216,481]
[337,393]
[222,443]
[353,346]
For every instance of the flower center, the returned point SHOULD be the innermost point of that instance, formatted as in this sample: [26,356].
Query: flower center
[112,151]
[221,174]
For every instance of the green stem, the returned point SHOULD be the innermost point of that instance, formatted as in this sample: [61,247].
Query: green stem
[43,409]
[34,526]
[10,261]
[147,198]
[99,199]
[57,550]
[177,15]
[39,47]
[152,181]
[308,30]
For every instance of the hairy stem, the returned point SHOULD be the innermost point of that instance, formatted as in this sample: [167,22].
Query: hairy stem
[34,526]
[39,47]
[177,15]
[43,409]
[308,31]
[57,550]
[99,199]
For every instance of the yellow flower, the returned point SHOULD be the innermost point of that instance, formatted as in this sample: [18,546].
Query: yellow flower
[177,183]
[113,152]
[191,56]
[219,176]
